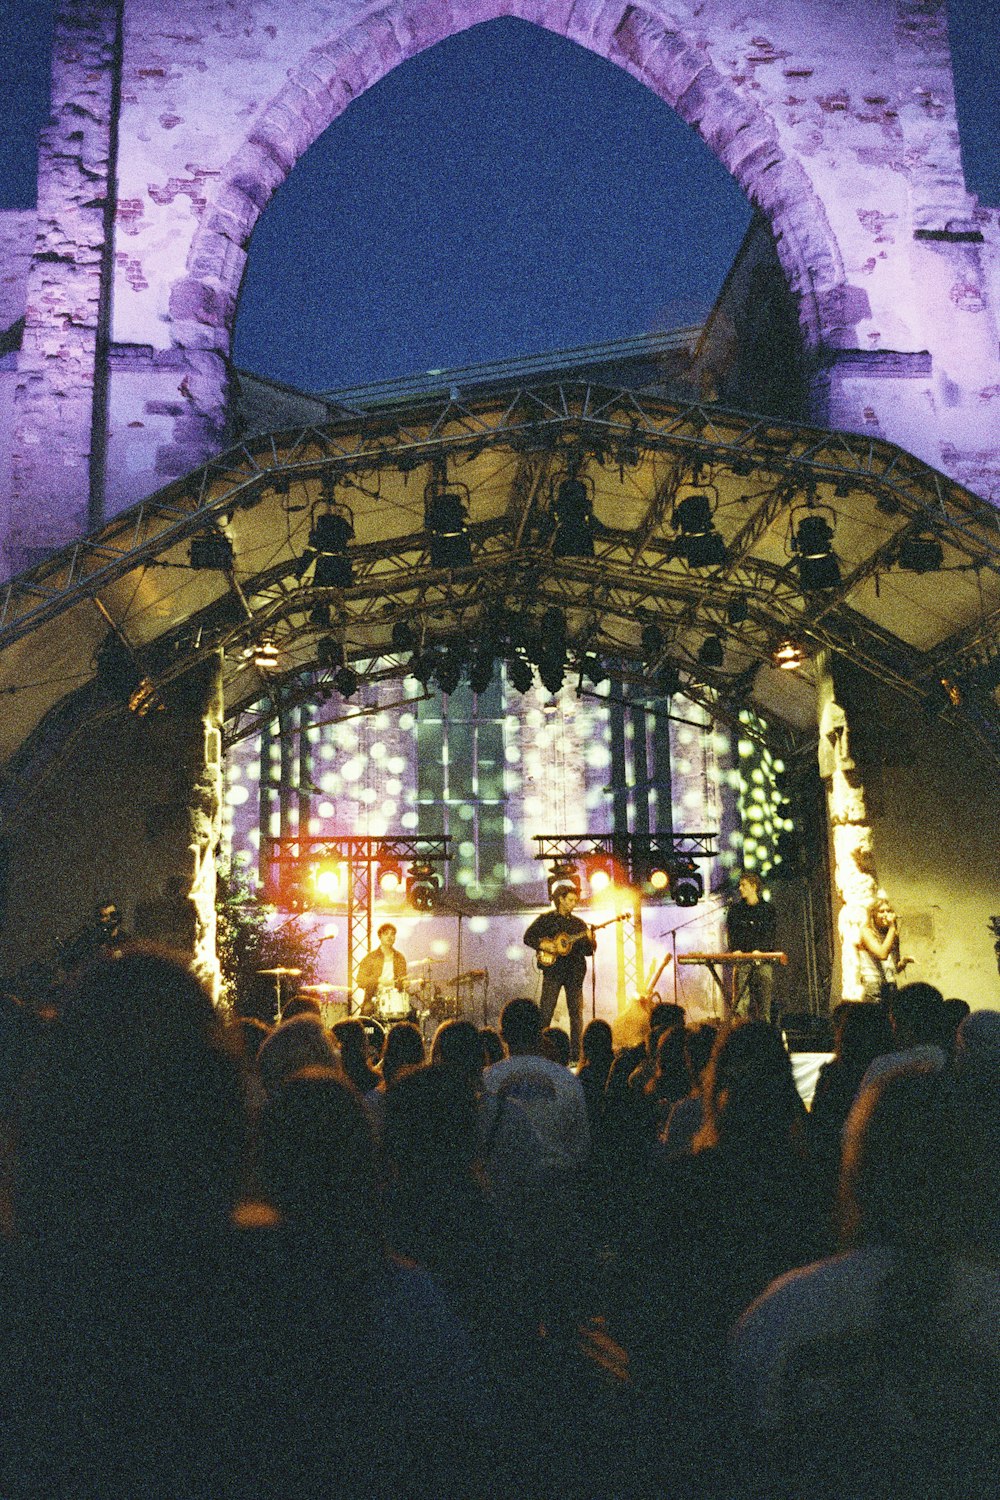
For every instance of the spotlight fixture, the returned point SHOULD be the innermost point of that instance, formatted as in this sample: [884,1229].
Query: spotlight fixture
[573,513]
[519,674]
[481,671]
[552,657]
[592,667]
[211,551]
[330,651]
[812,539]
[346,681]
[327,881]
[920,554]
[711,652]
[389,876]
[266,656]
[403,636]
[445,521]
[686,884]
[448,672]
[788,655]
[422,666]
[331,530]
[737,610]
[697,542]
[599,869]
[117,672]
[563,872]
[422,886]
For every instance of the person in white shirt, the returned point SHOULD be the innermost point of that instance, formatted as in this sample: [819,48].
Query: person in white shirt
[548,1093]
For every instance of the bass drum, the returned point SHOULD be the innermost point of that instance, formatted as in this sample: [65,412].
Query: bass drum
[392,1005]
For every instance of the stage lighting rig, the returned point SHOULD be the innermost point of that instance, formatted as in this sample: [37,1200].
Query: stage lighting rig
[446,511]
[698,542]
[422,886]
[389,876]
[573,515]
[520,674]
[685,883]
[563,872]
[811,540]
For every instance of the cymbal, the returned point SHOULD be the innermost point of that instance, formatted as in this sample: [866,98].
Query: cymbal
[276,972]
[324,989]
[468,977]
[417,962]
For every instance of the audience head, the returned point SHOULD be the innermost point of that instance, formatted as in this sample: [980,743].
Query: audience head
[493,1048]
[301,1005]
[253,1034]
[299,1043]
[431,1124]
[316,1158]
[404,1048]
[953,1013]
[355,1054]
[520,1027]
[749,1095]
[553,1043]
[137,1124]
[671,1080]
[915,1012]
[598,1047]
[665,1016]
[918,1169]
[977,1046]
[458,1046]
[863,1033]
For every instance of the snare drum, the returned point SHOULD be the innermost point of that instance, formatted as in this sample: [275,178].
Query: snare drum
[392,1005]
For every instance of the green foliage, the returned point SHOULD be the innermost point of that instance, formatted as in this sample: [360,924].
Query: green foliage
[246,944]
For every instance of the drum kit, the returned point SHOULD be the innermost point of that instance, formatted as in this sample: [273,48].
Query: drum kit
[414,998]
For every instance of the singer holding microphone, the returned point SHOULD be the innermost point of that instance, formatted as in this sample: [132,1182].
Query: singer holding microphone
[878,950]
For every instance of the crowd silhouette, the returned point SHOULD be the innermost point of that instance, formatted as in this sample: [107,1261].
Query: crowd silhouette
[242,1261]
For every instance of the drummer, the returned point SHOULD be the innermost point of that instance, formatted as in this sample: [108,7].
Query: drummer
[382,969]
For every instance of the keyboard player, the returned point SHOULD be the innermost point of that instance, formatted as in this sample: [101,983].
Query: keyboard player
[751,924]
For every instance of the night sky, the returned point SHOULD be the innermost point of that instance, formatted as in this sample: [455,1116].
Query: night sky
[503,193]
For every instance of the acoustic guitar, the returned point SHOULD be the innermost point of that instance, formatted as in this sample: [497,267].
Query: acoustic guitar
[549,949]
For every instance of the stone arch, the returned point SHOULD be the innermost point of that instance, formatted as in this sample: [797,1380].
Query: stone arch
[654,49]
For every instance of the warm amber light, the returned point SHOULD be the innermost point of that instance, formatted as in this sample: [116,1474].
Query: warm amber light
[327,880]
[788,655]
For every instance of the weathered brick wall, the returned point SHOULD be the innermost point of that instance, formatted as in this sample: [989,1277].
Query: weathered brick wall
[838,121]
[58,369]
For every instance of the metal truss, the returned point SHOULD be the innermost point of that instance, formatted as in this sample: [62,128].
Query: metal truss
[633,570]
[625,848]
[290,858]
[530,419]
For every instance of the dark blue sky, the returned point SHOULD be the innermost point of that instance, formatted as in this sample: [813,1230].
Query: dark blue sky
[503,193]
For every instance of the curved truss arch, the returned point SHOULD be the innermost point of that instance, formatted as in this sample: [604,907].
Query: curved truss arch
[509,448]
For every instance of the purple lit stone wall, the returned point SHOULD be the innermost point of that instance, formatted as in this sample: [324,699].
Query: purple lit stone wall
[838,121]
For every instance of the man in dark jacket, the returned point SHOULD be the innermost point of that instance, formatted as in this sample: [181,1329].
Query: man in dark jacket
[562,970]
[382,969]
[750,928]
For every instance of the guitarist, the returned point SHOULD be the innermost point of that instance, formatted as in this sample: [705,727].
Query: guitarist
[562,971]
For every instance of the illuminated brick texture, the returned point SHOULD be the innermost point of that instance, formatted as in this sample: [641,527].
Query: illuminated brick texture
[838,122]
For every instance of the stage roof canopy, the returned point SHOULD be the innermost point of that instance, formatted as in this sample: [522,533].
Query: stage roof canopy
[827,539]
